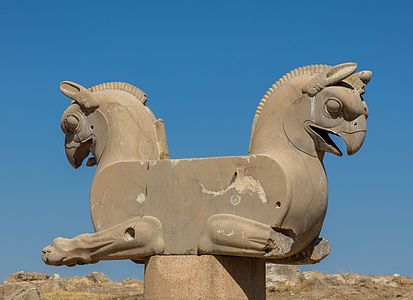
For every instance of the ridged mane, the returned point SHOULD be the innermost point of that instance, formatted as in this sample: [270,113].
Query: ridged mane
[121,86]
[312,69]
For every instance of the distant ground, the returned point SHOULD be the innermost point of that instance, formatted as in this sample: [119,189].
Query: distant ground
[343,286]
[36,286]
[307,285]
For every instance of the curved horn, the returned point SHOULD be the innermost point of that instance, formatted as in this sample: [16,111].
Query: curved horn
[79,94]
[365,76]
[329,77]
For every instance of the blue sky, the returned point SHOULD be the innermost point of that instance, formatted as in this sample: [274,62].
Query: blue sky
[205,66]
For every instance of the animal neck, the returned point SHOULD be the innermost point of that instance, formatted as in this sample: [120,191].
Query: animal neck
[280,126]
[131,135]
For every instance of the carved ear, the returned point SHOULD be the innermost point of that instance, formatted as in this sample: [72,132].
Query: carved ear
[79,94]
[332,76]
[365,76]
[71,89]
[339,72]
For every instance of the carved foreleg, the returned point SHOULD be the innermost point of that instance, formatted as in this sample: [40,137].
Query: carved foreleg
[133,239]
[232,235]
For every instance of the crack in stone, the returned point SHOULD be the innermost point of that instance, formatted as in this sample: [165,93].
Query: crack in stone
[241,184]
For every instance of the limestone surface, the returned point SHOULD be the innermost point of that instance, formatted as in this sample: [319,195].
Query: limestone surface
[204,277]
[277,275]
[267,205]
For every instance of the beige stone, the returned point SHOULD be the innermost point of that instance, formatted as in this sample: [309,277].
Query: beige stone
[276,275]
[204,277]
[268,205]
[19,291]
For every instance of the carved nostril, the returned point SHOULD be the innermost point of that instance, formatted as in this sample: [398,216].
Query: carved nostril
[129,234]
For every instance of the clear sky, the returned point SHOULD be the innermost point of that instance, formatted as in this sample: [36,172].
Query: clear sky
[205,66]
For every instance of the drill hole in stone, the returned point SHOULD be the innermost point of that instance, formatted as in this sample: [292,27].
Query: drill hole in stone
[278,204]
[129,234]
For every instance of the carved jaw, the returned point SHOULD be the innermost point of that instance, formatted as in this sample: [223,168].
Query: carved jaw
[82,123]
[89,137]
[322,139]
[85,134]
[80,136]
[76,152]
[353,134]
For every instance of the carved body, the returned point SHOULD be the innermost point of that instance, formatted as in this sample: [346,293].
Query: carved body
[176,192]
[268,205]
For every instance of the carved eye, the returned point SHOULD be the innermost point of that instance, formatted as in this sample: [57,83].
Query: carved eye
[71,123]
[333,107]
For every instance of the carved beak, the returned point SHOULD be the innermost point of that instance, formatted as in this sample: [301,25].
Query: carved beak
[77,152]
[353,133]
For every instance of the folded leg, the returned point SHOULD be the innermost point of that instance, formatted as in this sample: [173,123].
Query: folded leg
[132,239]
[226,234]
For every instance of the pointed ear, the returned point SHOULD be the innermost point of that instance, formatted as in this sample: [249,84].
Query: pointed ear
[71,89]
[365,76]
[79,94]
[339,72]
[332,76]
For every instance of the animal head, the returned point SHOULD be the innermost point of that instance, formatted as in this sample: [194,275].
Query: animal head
[337,107]
[326,100]
[78,124]
[109,117]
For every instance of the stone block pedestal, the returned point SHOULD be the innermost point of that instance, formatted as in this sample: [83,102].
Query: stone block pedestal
[204,277]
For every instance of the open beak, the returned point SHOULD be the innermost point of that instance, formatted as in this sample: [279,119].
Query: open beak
[77,152]
[353,133]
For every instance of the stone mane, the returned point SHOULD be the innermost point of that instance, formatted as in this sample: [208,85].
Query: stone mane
[311,69]
[121,86]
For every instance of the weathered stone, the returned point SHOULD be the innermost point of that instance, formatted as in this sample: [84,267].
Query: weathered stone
[281,274]
[204,277]
[92,286]
[26,276]
[316,286]
[97,277]
[19,291]
[269,205]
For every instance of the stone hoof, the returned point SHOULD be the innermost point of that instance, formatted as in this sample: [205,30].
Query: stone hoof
[62,252]
[320,251]
[278,245]
[312,254]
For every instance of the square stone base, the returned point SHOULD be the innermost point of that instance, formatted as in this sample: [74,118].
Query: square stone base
[204,277]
